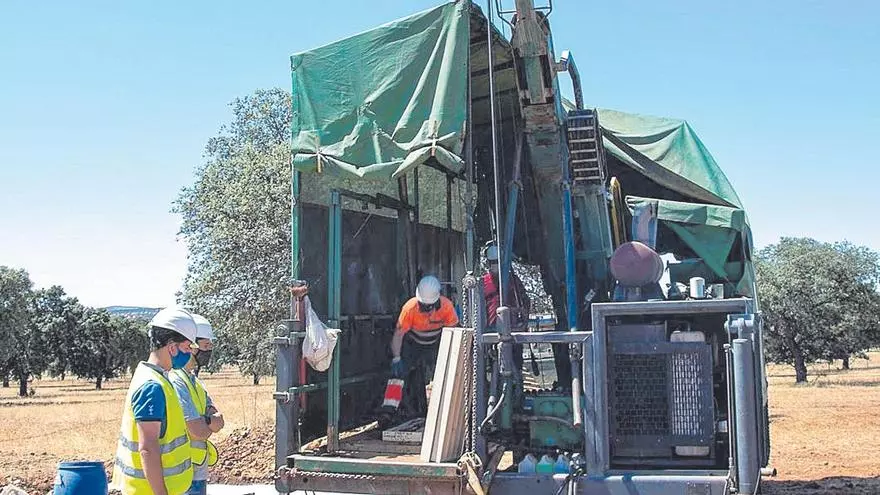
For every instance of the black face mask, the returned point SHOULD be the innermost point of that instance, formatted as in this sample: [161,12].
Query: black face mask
[203,358]
[427,308]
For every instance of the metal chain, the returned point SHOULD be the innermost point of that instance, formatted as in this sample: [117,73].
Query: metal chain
[476,347]
[469,285]
[465,305]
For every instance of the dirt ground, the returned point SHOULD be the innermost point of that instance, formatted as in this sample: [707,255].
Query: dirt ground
[825,435]
[70,420]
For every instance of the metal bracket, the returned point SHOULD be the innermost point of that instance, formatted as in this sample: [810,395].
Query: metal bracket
[379,200]
[287,341]
[566,63]
[740,324]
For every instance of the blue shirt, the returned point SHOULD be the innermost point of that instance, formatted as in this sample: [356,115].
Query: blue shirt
[148,402]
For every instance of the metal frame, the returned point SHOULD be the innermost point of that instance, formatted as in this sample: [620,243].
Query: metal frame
[616,484]
[596,367]
[287,414]
[567,64]
[334,310]
[359,476]
[334,292]
[337,474]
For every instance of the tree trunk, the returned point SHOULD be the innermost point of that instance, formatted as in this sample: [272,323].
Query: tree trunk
[800,363]
[256,379]
[5,381]
[846,363]
[98,382]
[22,385]
[800,367]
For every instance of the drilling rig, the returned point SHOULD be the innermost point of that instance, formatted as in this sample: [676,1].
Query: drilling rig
[417,142]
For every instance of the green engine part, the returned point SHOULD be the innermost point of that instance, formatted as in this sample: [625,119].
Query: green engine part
[544,433]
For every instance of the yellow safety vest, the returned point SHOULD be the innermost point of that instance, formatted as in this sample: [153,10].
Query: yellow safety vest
[201,449]
[128,471]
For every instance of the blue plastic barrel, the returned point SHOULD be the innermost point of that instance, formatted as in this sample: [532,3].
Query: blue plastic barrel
[81,478]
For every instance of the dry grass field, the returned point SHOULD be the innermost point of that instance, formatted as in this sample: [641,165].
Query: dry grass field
[70,420]
[825,434]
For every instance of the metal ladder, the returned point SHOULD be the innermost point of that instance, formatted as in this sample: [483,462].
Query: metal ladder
[585,147]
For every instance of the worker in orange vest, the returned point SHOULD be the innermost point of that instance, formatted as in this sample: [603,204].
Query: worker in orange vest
[416,343]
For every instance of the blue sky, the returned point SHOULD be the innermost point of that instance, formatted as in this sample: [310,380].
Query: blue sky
[105,108]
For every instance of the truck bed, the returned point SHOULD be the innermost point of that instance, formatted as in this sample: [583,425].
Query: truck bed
[365,442]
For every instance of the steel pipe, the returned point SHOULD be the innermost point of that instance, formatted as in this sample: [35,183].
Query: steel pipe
[748,468]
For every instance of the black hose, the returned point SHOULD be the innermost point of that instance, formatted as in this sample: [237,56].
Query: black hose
[494,411]
[564,485]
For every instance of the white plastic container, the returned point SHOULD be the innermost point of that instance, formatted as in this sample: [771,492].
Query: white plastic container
[546,465]
[698,288]
[718,291]
[527,465]
[562,465]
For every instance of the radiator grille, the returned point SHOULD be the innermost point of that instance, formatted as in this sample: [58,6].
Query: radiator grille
[660,396]
[640,400]
[688,388]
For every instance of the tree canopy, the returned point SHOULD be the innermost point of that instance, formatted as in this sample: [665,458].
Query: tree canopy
[236,221]
[45,331]
[819,301]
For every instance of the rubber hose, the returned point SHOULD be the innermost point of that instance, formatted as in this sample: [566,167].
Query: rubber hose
[491,414]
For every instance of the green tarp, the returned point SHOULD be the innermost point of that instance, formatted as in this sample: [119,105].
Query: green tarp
[711,232]
[668,152]
[694,213]
[374,105]
[379,103]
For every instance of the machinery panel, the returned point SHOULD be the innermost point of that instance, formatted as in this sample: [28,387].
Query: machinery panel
[660,397]
[654,389]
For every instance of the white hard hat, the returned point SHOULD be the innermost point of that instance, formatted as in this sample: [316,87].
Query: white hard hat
[428,291]
[177,319]
[492,253]
[203,328]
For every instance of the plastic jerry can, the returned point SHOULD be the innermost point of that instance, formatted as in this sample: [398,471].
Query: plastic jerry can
[527,465]
[562,465]
[545,466]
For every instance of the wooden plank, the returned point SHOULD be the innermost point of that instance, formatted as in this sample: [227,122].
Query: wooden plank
[447,418]
[437,386]
[452,441]
[451,392]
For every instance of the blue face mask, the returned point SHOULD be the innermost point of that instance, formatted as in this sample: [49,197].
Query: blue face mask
[179,361]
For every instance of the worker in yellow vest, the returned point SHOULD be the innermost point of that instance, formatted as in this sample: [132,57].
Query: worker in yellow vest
[153,456]
[202,418]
